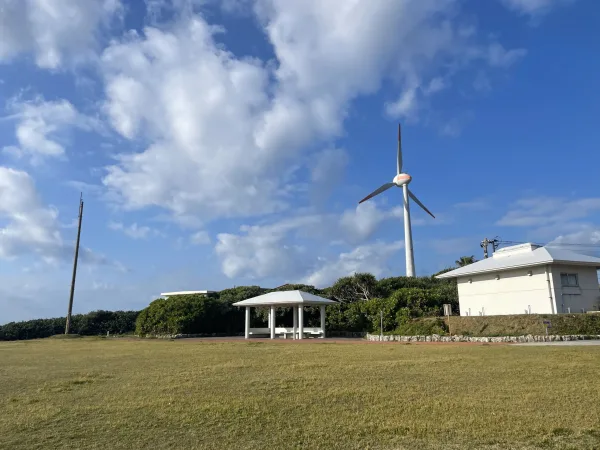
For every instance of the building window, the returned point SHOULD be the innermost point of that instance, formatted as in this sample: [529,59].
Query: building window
[569,279]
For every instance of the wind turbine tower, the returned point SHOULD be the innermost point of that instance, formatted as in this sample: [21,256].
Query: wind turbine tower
[402,180]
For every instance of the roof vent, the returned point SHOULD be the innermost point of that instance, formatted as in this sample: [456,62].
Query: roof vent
[515,250]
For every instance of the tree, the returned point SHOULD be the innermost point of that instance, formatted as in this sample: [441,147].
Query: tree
[447,269]
[465,261]
[182,314]
[360,286]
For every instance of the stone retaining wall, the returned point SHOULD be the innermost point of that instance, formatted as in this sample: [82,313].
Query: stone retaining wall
[439,338]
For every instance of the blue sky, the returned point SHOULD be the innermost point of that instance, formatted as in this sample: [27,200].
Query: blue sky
[228,143]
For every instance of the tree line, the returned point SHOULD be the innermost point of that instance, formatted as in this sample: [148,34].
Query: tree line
[91,324]
[361,299]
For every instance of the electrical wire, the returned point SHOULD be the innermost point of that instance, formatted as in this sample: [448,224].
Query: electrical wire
[552,244]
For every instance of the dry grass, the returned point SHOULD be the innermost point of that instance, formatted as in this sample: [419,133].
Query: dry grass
[112,394]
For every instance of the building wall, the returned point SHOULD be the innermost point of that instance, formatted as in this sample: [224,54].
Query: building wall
[514,293]
[586,296]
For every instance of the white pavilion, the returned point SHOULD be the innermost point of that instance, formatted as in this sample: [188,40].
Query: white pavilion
[297,300]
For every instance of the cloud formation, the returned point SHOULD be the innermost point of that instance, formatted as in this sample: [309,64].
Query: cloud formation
[534,7]
[31,228]
[134,231]
[42,127]
[307,247]
[224,132]
[54,32]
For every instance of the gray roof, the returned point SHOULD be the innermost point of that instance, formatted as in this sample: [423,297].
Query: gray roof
[286,298]
[539,256]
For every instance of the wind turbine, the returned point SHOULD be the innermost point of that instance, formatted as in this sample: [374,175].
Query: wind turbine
[402,180]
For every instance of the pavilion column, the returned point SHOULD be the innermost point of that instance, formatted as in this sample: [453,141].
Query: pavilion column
[323,321]
[300,322]
[247,323]
[295,324]
[269,319]
[272,316]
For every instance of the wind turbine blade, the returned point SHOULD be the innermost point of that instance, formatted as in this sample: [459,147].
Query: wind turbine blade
[418,202]
[385,187]
[399,149]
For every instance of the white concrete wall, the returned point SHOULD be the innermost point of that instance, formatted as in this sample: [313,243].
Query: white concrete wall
[511,294]
[586,296]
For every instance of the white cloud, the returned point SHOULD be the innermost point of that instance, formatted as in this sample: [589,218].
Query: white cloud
[498,56]
[42,127]
[263,251]
[437,84]
[184,94]
[534,7]
[372,258]
[296,247]
[547,211]
[134,230]
[53,30]
[200,238]
[406,107]
[31,227]
[586,240]
[177,89]
[453,128]
[359,224]
[590,235]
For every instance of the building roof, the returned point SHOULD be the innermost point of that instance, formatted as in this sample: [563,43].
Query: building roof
[168,294]
[525,255]
[286,298]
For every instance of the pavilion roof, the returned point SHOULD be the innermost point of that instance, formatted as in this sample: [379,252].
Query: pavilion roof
[286,298]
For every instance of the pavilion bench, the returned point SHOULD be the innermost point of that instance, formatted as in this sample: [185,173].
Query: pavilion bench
[285,332]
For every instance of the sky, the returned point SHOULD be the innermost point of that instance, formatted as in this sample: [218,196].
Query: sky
[227,143]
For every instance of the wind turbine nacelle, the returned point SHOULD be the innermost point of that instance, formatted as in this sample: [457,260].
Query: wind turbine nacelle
[402,179]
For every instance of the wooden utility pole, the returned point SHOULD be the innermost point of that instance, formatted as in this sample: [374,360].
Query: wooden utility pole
[68,325]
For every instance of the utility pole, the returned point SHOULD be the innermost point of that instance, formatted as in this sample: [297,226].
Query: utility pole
[484,245]
[68,325]
[495,243]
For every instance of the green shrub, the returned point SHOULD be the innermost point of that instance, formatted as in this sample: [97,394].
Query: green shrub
[422,327]
[175,315]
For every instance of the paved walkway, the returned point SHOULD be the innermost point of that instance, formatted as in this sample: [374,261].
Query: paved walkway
[328,341]
[562,343]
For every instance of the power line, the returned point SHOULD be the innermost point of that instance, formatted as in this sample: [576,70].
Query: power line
[497,242]
[554,244]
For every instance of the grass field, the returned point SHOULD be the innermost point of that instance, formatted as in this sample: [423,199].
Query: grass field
[112,393]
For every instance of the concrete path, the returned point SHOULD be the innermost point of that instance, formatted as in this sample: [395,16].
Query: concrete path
[563,343]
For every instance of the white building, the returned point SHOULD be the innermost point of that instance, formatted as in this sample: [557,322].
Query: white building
[528,279]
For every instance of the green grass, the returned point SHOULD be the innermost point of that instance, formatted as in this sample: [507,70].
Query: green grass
[112,394]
